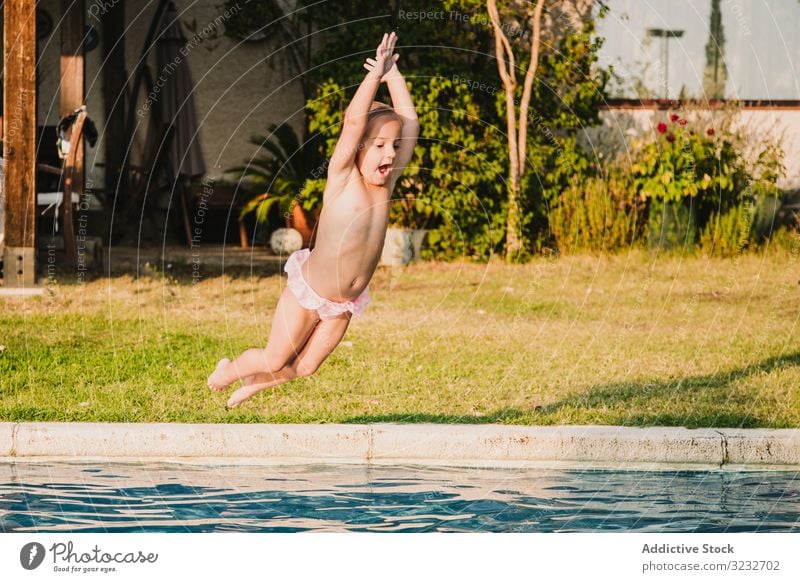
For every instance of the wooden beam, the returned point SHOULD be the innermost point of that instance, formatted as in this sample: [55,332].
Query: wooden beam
[114,79]
[71,97]
[72,69]
[19,145]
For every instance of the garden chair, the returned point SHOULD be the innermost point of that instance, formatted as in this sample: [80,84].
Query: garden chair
[55,200]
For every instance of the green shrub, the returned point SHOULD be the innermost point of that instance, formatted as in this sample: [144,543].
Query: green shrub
[704,185]
[687,173]
[454,179]
[596,214]
[786,239]
[728,234]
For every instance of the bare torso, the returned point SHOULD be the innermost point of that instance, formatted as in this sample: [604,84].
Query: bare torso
[350,236]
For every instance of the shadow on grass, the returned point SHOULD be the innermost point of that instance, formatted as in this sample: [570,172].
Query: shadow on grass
[630,403]
[176,274]
[509,415]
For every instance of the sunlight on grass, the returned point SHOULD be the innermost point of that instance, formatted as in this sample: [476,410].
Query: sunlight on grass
[630,339]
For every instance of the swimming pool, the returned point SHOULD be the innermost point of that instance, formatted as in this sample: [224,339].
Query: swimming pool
[164,497]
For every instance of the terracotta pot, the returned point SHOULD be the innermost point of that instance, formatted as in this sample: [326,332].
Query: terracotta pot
[300,221]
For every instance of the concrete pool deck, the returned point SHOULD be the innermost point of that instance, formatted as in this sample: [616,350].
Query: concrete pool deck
[655,448]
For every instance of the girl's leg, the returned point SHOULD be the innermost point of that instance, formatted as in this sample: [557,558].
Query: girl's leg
[324,339]
[292,325]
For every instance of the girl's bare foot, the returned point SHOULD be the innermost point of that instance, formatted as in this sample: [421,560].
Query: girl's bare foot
[254,384]
[216,381]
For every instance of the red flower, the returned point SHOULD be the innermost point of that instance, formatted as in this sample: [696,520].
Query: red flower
[673,117]
[670,138]
[662,127]
[710,131]
[682,122]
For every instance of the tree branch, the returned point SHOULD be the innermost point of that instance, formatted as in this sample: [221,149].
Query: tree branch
[530,75]
[501,46]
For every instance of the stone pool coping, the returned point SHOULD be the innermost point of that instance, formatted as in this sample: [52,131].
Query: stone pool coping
[438,444]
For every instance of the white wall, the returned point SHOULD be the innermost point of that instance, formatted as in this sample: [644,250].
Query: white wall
[758,123]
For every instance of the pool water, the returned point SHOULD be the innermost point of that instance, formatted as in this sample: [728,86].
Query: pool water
[69,497]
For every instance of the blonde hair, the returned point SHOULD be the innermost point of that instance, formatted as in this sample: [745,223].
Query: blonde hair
[378,109]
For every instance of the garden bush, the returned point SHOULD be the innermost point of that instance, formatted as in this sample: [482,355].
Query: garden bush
[722,175]
[598,213]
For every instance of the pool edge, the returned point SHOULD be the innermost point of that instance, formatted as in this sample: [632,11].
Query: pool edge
[580,446]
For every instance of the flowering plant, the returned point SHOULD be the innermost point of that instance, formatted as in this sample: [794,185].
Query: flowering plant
[683,161]
[697,180]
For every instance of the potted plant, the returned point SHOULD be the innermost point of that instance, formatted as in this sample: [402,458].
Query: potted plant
[409,215]
[279,177]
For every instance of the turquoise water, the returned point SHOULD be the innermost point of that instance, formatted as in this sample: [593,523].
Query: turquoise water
[66,497]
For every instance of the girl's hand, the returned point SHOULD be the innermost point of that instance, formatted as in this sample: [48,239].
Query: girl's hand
[384,63]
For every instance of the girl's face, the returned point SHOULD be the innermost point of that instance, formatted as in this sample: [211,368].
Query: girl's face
[375,160]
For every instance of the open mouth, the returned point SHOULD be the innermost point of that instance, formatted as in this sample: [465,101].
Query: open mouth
[385,169]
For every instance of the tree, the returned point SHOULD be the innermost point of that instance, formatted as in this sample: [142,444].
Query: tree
[517,131]
[716,73]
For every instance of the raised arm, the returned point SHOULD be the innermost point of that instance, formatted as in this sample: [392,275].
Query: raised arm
[404,107]
[355,117]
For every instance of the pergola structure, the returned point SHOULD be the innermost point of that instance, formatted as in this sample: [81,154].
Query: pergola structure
[19,127]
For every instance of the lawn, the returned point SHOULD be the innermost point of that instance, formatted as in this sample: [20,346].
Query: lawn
[632,339]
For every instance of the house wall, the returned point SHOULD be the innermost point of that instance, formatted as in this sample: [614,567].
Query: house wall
[237,93]
[762,123]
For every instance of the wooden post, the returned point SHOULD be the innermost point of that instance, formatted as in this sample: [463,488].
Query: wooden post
[71,97]
[19,145]
[114,77]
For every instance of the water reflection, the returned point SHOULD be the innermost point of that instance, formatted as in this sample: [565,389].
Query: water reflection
[65,497]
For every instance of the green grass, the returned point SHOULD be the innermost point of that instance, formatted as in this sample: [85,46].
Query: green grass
[632,339]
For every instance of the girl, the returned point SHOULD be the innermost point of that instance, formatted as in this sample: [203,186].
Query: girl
[328,285]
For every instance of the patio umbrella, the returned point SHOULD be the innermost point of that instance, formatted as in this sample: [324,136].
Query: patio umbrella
[175,99]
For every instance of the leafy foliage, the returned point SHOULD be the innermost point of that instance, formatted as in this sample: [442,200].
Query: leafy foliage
[598,213]
[708,172]
[460,175]
[683,162]
[684,184]
[276,176]
[726,234]
[455,184]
